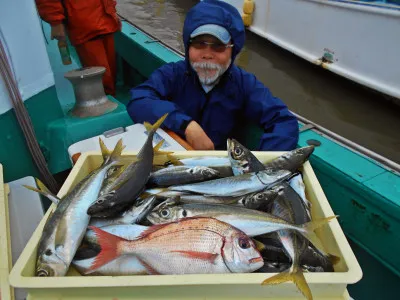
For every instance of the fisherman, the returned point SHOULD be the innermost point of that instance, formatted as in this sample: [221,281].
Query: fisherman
[207,97]
[90,25]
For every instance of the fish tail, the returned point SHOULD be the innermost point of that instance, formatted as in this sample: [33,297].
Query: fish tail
[104,150]
[153,128]
[43,190]
[295,275]
[157,149]
[260,246]
[174,160]
[116,153]
[109,248]
[311,226]
[308,232]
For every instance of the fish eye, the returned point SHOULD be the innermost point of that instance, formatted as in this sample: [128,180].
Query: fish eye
[260,196]
[42,273]
[165,212]
[100,201]
[48,252]
[244,243]
[238,151]
[191,171]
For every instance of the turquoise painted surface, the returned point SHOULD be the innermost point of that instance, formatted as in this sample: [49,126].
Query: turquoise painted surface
[68,130]
[363,214]
[387,185]
[376,283]
[350,163]
[142,52]
[43,109]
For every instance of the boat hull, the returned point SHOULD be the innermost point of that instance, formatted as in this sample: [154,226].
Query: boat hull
[357,40]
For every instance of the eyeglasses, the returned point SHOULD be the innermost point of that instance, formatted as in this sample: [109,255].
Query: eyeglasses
[217,47]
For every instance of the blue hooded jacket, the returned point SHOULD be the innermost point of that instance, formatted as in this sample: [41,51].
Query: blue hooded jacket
[238,98]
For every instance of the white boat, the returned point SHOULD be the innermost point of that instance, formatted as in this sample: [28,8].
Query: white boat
[359,40]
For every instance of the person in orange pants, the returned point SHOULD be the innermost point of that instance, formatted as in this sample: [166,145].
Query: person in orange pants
[90,25]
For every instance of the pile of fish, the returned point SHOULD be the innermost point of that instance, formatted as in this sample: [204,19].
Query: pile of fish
[157,214]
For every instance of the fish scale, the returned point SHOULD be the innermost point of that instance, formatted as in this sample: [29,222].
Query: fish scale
[159,252]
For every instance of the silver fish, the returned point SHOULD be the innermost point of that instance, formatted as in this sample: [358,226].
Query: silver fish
[251,222]
[181,175]
[206,161]
[236,185]
[196,198]
[291,160]
[296,182]
[66,226]
[241,159]
[221,164]
[133,215]
[261,200]
[294,246]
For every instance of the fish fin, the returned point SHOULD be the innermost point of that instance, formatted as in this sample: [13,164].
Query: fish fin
[278,278]
[158,151]
[104,150]
[145,195]
[296,276]
[260,246]
[309,233]
[158,146]
[211,257]
[153,128]
[43,190]
[109,248]
[147,125]
[61,232]
[118,170]
[174,160]
[116,153]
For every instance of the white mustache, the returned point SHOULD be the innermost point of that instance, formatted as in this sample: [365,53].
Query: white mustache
[203,68]
[206,65]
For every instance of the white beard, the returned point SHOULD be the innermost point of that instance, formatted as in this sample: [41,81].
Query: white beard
[209,73]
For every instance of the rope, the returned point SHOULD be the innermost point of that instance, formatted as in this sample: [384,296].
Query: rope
[25,121]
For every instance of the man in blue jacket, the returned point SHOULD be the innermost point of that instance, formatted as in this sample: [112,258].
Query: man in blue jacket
[206,96]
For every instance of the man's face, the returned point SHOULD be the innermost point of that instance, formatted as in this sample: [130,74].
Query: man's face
[209,60]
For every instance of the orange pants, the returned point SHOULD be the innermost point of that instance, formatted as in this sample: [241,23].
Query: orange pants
[100,52]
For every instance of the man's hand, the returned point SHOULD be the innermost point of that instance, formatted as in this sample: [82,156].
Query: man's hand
[58,32]
[197,138]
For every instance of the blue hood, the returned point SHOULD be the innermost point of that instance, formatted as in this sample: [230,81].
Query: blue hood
[219,13]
